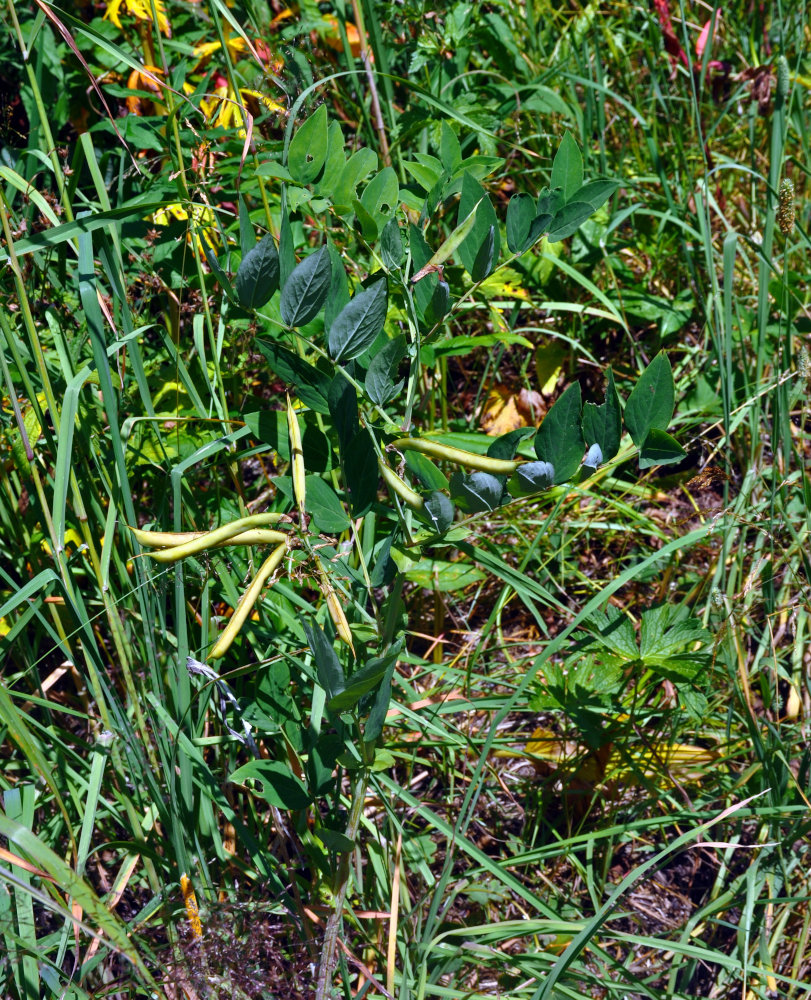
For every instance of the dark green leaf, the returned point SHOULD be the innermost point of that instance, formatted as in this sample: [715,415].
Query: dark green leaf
[477,492]
[287,254]
[505,446]
[221,276]
[531,477]
[560,438]
[359,684]
[338,288]
[602,425]
[567,167]
[343,407]
[483,264]
[472,194]
[334,840]
[359,322]
[438,510]
[247,237]
[550,202]
[306,290]
[421,253]
[568,220]
[520,215]
[311,385]
[360,471]
[391,245]
[324,507]
[380,706]
[652,400]
[439,305]
[659,448]
[258,275]
[280,786]
[327,665]
[450,152]
[380,386]
[365,223]
[597,192]
[308,148]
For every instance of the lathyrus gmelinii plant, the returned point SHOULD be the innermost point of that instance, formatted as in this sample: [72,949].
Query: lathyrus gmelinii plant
[352,361]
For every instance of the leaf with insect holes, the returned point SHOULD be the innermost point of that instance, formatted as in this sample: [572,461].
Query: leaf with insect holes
[308,148]
[602,425]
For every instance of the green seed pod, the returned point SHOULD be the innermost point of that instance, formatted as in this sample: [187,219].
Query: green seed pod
[247,601]
[467,459]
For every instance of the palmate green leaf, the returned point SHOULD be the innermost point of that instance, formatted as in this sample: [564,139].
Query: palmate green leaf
[310,384]
[258,275]
[602,425]
[308,148]
[306,290]
[652,400]
[567,167]
[560,438]
[358,324]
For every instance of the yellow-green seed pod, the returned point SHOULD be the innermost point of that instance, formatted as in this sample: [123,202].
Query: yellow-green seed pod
[403,491]
[296,457]
[169,539]
[467,459]
[336,611]
[212,539]
[247,601]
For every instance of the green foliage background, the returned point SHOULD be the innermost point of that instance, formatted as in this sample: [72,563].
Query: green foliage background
[503,722]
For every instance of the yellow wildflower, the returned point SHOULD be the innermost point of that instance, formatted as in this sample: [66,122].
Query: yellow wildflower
[141,10]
